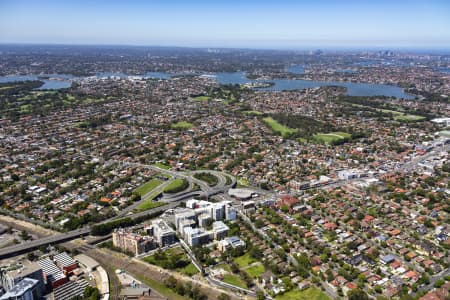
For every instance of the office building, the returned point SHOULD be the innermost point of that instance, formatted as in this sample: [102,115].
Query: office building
[26,289]
[220,230]
[196,236]
[163,234]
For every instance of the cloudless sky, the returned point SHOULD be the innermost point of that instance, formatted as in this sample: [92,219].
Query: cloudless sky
[231,23]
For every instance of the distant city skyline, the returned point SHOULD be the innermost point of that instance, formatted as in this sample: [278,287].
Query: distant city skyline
[230,24]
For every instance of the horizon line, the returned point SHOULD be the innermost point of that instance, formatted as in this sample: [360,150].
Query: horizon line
[268,48]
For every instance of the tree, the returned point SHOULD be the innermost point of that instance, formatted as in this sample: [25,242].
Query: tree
[357,294]
[180,289]
[91,293]
[260,295]
[31,256]
[171,282]
[424,279]
[223,296]
[378,289]
[256,253]
[439,283]
[24,235]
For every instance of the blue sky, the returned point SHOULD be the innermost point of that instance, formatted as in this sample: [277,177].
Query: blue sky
[231,23]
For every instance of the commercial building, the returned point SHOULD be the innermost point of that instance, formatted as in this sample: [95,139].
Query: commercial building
[163,234]
[25,270]
[442,121]
[248,206]
[220,230]
[230,213]
[185,215]
[232,242]
[53,276]
[348,174]
[89,263]
[194,203]
[196,236]
[132,242]
[218,211]
[203,220]
[66,263]
[26,289]
[241,193]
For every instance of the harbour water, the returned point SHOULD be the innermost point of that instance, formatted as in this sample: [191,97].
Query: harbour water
[353,89]
[59,81]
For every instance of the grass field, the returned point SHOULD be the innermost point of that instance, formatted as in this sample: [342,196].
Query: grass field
[26,108]
[162,166]
[148,204]
[147,187]
[210,179]
[228,180]
[244,260]
[409,118]
[189,270]
[201,98]
[308,294]
[234,280]
[177,185]
[161,288]
[278,128]
[255,270]
[398,116]
[172,254]
[182,125]
[331,137]
[241,182]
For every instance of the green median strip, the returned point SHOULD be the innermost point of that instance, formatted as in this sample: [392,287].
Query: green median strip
[177,185]
[149,204]
[162,166]
[147,187]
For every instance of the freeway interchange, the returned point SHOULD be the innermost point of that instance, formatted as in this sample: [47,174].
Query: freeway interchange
[172,202]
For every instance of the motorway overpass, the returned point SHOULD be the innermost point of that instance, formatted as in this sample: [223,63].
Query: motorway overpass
[174,200]
[68,236]
[51,240]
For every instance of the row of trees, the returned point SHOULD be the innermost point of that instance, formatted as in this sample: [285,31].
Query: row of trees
[306,126]
[371,102]
[90,293]
[106,228]
[186,289]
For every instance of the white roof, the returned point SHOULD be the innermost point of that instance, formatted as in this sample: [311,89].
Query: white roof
[241,193]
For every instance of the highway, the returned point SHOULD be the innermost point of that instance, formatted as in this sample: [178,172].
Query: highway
[172,202]
[159,189]
[33,245]
[67,236]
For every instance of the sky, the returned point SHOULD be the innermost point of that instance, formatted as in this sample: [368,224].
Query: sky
[281,24]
